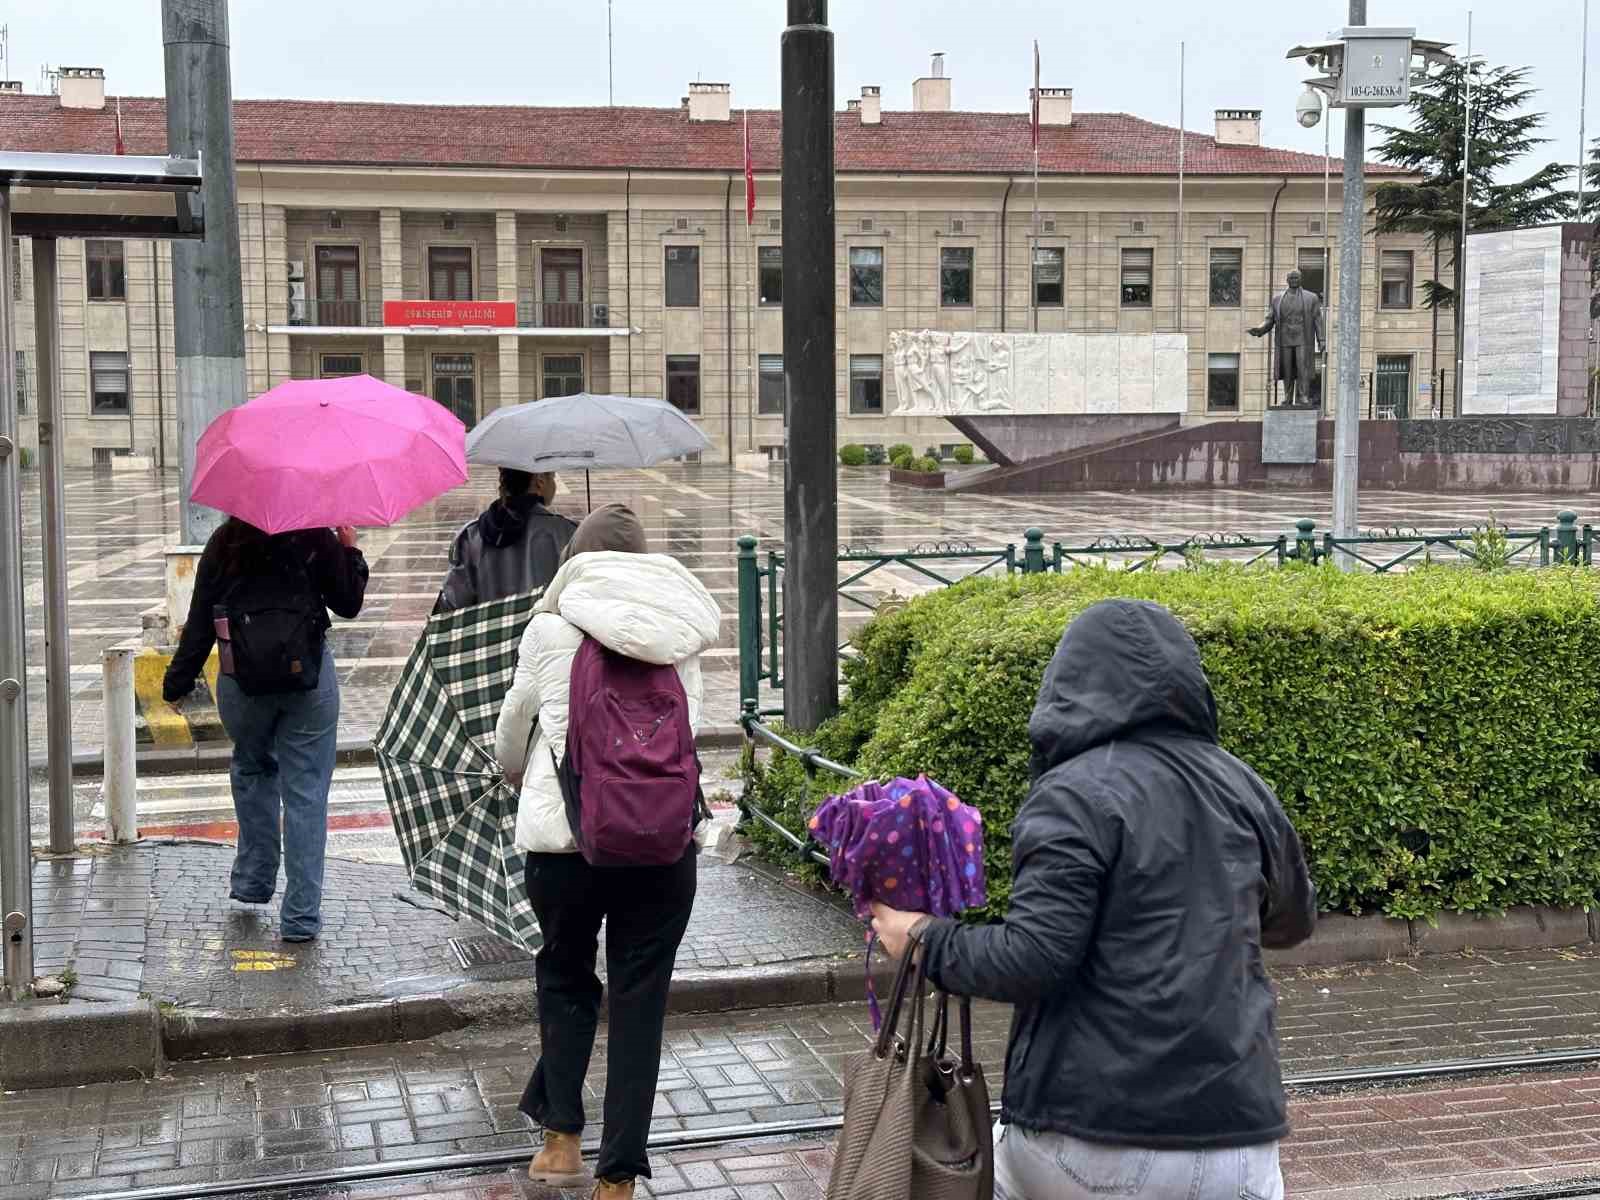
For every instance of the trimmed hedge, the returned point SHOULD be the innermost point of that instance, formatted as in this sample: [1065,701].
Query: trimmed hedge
[901,450]
[964,455]
[1435,735]
[853,455]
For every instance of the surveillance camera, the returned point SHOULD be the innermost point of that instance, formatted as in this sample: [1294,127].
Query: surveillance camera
[1313,60]
[1308,109]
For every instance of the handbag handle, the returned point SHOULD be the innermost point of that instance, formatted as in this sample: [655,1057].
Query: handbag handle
[911,973]
[969,1066]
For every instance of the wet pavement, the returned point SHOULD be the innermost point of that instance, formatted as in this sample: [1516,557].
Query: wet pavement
[457,1093]
[119,525]
[154,918]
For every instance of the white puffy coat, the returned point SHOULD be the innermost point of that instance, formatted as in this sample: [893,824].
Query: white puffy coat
[646,606]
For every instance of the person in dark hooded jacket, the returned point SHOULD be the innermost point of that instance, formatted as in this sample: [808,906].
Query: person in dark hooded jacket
[513,547]
[1150,868]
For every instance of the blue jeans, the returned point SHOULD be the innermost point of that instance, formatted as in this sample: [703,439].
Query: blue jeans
[283,753]
[1053,1166]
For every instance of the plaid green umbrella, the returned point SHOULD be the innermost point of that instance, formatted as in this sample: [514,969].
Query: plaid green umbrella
[455,815]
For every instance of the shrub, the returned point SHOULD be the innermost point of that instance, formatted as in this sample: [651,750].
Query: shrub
[900,450]
[927,465]
[933,453]
[902,462]
[853,455]
[876,457]
[1431,750]
[963,454]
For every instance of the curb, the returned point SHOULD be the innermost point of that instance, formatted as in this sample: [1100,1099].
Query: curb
[55,1044]
[215,756]
[190,1034]
[1343,940]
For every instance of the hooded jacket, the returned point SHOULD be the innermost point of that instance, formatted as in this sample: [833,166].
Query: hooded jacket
[645,606]
[1151,867]
[513,547]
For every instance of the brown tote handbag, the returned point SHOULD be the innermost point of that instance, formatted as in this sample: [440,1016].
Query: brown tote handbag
[916,1122]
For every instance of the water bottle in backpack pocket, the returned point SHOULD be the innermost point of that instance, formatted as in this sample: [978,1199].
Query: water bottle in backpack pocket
[631,778]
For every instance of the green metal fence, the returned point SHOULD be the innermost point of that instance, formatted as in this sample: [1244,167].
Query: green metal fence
[941,564]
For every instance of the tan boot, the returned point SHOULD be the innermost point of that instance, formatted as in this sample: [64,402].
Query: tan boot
[613,1191]
[560,1161]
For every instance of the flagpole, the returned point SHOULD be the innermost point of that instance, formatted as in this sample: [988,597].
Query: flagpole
[1461,255]
[1583,106]
[1180,185]
[1033,240]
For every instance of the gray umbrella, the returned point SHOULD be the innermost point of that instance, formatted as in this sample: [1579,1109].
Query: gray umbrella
[581,432]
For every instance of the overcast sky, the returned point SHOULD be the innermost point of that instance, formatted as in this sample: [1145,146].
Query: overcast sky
[1116,56]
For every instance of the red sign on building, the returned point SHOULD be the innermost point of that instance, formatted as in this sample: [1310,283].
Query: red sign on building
[496,313]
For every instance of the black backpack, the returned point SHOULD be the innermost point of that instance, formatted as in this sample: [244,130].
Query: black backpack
[270,631]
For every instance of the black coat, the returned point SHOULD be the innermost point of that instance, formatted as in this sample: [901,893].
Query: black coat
[513,547]
[1151,866]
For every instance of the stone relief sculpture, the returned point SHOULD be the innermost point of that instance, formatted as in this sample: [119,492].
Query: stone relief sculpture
[939,374]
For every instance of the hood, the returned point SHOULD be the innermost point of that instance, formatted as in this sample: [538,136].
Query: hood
[1122,666]
[645,606]
[505,521]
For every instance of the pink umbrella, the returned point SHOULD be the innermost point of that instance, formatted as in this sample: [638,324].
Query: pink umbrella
[318,452]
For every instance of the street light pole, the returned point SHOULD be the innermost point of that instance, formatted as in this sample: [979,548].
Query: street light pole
[811,481]
[1347,414]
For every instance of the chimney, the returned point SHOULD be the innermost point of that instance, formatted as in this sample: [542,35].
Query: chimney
[83,87]
[1238,127]
[1055,106]
[871,106]
[932,92]
[710,102]
[10,87]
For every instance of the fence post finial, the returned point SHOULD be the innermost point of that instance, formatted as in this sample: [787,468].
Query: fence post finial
[1033,552]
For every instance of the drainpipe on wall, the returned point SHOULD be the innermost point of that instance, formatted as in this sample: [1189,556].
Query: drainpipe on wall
[161,383]
[1272,275]
[1005,202]
[627,243]
[727,296]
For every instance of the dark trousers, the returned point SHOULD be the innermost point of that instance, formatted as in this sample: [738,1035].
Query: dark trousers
[1296,366]
[646,910]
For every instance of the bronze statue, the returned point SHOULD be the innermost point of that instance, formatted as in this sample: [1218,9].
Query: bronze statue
[1297,316]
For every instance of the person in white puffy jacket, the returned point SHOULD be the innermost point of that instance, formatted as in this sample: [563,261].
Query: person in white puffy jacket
[647,607]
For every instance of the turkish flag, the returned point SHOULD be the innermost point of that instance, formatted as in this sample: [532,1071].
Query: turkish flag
[749,176]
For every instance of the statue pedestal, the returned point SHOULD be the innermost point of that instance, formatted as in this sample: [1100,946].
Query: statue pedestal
[1289,435]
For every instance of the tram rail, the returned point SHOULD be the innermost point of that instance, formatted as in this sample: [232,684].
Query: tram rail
[727,1135]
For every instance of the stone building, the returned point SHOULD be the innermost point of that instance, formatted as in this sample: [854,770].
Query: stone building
[487,255]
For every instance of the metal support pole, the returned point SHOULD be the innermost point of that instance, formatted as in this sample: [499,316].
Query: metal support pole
[57,641]
[1583,107]
[207,291]
[811,481]
[1347,415]
[1327,233]
[121,778]
[1466,194]
[16,849]
[749,624]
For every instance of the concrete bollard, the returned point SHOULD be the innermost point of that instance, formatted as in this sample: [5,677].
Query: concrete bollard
[121,776]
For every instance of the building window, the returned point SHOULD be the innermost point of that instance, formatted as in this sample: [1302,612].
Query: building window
[108,375]
[769,271]
[22,381]
[683,276]
[455,385]
[1222,382]
[1227,276]
[340,366]
[1137,267]
[107,274]
[866,385]
[769,386]
[1313,271]
[866,276]
[1049,275]
[338,285]
[563,375]
[955,277]
[450,273]
[683,382]
[1393,387]
[1396,279]
[561,288]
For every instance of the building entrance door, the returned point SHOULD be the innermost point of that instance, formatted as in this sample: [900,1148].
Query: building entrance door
[455,386]
[1393,400]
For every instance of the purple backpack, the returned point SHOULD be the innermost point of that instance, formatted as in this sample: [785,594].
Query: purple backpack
[631,777]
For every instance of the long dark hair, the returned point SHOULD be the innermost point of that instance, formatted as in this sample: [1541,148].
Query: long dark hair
[241,547]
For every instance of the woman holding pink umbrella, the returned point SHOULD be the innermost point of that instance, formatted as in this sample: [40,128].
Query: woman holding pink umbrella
[297,468]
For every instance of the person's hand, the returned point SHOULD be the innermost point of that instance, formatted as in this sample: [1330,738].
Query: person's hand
[894,927]
[173,693]
[1258,331]
[514,780]
[347,536]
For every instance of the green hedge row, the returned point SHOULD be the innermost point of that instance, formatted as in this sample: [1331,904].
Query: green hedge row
[1435,736]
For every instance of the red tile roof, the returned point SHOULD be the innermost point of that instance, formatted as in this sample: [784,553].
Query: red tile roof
[662,139]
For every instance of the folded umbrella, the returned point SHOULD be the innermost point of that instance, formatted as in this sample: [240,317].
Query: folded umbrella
[910,844]
[312,453]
